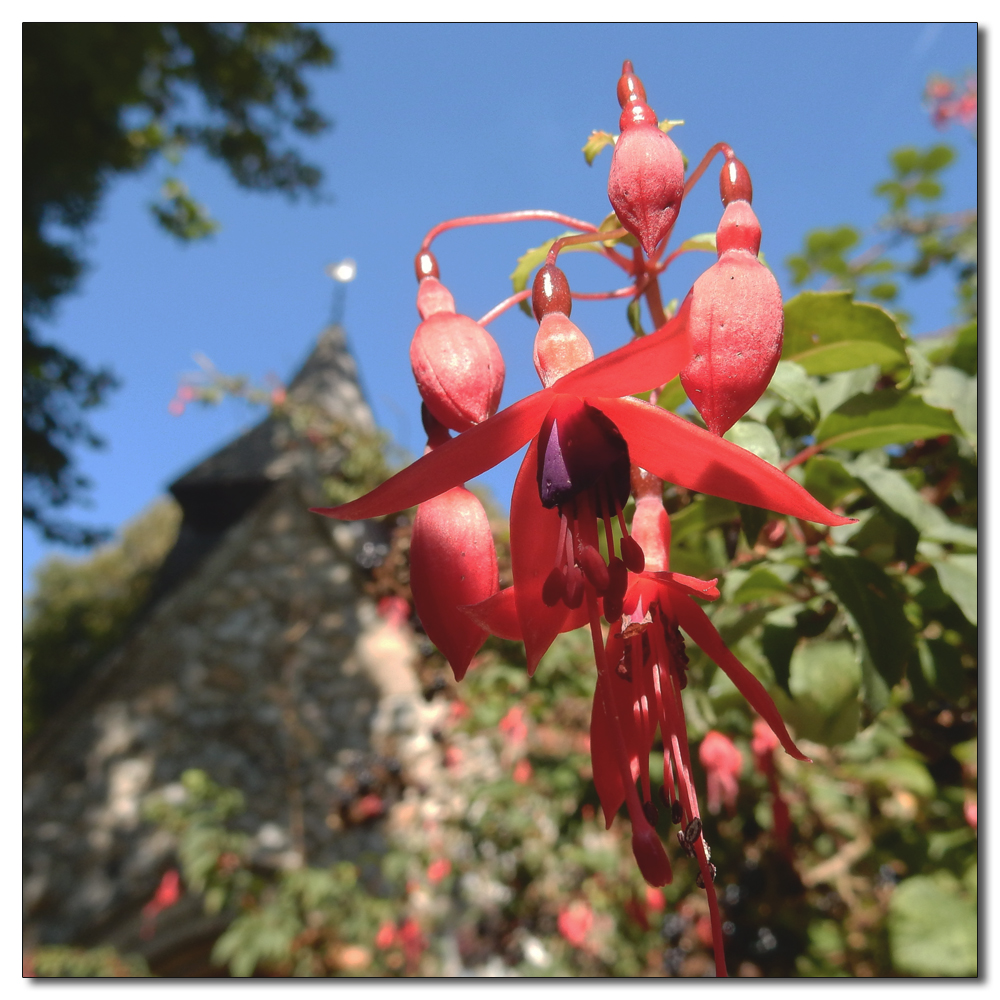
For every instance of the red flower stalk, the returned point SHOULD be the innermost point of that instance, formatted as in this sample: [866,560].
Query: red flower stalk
[646,182]
[763,744]
[723,762]
[736,321]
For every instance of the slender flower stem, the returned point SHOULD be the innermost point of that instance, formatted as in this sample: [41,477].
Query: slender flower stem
[718,945]
[526,215]
[589,237]
[498,310]
[651,288]
[804,455]
[719,147]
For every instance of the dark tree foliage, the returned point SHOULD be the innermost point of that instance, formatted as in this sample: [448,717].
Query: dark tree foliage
[105,99]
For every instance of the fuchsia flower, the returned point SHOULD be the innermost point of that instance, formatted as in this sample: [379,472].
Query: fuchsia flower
[582,437]
[723,762]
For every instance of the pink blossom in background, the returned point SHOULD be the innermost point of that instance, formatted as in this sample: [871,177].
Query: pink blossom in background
[722,762]
[575,922]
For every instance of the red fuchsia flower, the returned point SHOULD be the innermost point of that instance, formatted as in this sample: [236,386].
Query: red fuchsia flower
[168,892]
[438,870]
[582,437]
[723,762]
[639,691]
[763,744]
[646,182]
[513,726]
[386,936]
[970,809]
[736,319]
[575,922]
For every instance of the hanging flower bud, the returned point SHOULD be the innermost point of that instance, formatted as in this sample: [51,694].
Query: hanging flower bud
[457,365]
[646,183]
[734,182]
[560,346]
[453,562]
[735,324]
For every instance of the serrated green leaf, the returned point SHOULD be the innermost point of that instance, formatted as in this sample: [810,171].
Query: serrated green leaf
[596,142]
[951,389]
[828,332]
[959,578]
[870,597]
[825,678]
[830,482]
[842,386]
[895,492]
[933,927]
[883,417]
[755,438]
[791,383]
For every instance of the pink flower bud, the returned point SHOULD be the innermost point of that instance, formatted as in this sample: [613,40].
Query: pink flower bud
[735,324]
[453,562]
[457,364]
[646,182]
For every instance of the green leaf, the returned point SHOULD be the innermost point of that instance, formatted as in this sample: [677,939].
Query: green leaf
[698,517]
[755,438]
[830,482]
[842,386]
[752,519]
[959,578]
[870,597]
[895,492]
[933,927]
[941,667]
[668,123]
[897,772]
[791,382]
[951,389]
[764,581]
[703,241]
[825,678]
[882,417]
[778,643]
[828,332]
[595,143]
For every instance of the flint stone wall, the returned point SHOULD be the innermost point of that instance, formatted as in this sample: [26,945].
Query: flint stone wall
[269,670]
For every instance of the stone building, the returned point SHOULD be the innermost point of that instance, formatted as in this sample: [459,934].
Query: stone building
[260,660]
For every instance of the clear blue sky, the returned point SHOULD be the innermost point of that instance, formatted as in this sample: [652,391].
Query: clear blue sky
[439,121]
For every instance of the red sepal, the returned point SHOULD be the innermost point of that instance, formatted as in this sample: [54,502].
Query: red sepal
[683,453]
[453,463]
[697,624]
[497,614]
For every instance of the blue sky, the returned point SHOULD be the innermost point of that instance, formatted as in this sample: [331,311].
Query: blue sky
[436,121]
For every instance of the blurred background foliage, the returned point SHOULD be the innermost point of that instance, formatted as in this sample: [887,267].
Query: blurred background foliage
[862,863]
[126,96]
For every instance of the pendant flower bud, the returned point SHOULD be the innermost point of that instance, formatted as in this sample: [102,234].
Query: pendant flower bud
[646,182]
[457,365]
[734,182]
[735,323]
[453,562]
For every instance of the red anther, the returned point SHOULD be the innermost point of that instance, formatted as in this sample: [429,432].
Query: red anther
[433,298]
[573,595]
[735,323]
[734,182]
[554,587]
[632,554]
[630,88]
[560,348]
[650,855]
[646,183]
[550,292]
[594,567]
[458,368]
[426,265]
